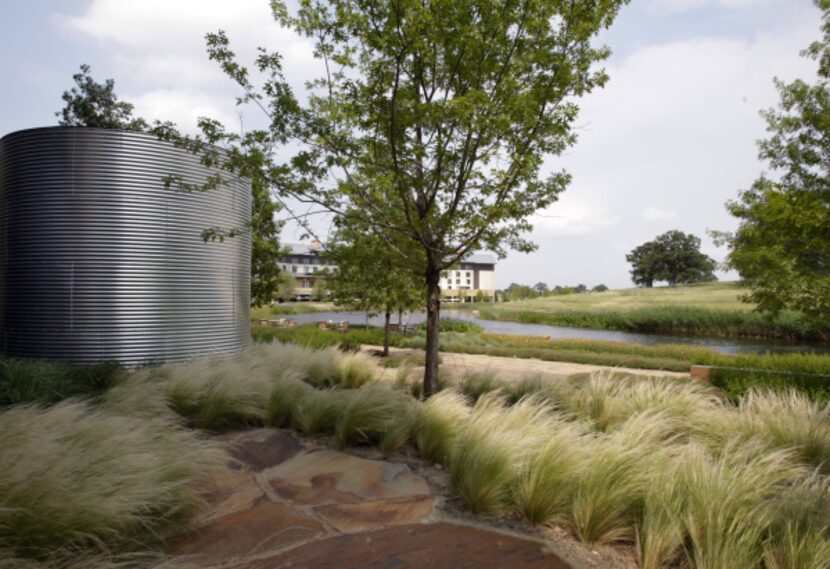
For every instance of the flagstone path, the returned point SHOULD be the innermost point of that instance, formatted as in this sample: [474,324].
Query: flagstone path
[291,503]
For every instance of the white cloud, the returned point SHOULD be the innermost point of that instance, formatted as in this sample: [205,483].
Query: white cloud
[182,106]
[158,47]
[571,216]
[657,214]
[674,131]
[682,6]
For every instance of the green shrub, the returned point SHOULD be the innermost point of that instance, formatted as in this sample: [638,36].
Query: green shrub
[454,325]
[737,382]
[28,381]
[349,346]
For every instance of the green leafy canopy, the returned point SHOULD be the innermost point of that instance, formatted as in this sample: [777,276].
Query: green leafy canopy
[782,245]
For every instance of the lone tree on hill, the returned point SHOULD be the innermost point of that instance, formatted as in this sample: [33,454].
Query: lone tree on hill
[673,257]
[782,245]
[431,120]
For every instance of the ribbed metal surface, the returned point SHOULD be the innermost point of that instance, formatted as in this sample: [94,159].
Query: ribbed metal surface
[101,263]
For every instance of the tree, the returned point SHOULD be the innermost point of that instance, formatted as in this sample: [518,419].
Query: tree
[287,285]
[541,288]
[321,289]
[673,257]
[370,275]
[600,288]
[782,245]
[432,119]
[92,104]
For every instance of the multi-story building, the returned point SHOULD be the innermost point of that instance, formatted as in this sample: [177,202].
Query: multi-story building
[306,264]
[472,281]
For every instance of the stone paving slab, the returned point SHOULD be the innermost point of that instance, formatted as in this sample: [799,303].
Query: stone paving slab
[427,546]
[287,504]
[264,528]
[330,477]
[263,448]
[376,514]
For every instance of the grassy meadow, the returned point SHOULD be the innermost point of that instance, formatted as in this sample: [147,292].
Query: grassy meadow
[709,296]
[710,309]
[670,467]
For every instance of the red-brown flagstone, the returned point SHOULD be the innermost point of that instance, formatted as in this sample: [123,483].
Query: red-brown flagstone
[432,546]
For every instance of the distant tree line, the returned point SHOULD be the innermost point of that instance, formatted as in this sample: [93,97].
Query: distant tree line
[518,291]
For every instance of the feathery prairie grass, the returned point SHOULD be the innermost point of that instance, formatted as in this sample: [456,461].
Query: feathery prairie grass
[616,472]
[545,488]
[475,384]
[800,535]
[791,420]
[608,399]
[259,386]
[318,411]
[437,424]
[492,448]
[354,370]
[370,414]
[787,420]
[78,480]
[725,504]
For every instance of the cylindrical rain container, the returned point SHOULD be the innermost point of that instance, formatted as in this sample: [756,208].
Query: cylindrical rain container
[101,260]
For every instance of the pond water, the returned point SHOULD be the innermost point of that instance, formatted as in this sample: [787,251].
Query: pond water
[722,345]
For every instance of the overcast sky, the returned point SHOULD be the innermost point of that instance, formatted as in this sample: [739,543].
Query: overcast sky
[668,140]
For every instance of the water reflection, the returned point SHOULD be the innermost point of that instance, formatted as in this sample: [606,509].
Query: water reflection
[722,345]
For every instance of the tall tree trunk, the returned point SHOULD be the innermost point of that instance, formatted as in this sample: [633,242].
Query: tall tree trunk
[400,318]
[433,314]
[386,332]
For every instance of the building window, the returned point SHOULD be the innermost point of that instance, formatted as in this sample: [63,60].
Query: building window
[294,269]
[468,281]
[458,281]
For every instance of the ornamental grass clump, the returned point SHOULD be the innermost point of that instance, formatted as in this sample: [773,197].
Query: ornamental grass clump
[493,447]
[799,537]
[608,399]
[354,370]
[438,423]
[617,470]
[317,412]
[78,481]
[790,420]
[283,400]
[546,487]
[726,508]
[474,384]
[369,414]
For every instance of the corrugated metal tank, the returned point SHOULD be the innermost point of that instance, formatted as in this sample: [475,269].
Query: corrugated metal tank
[101,262]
